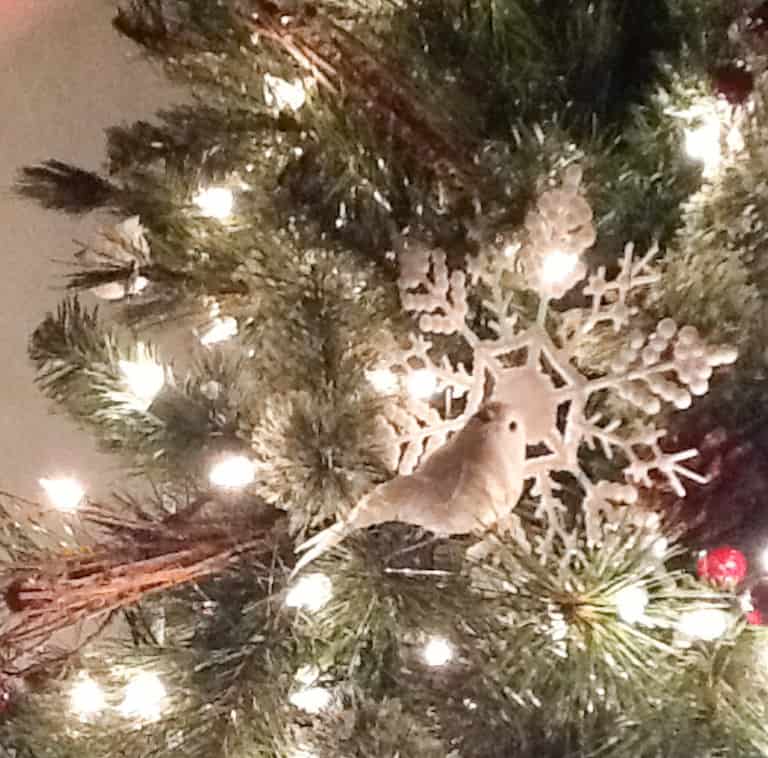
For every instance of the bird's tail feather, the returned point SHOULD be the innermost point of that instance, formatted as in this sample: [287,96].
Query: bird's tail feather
[315,546]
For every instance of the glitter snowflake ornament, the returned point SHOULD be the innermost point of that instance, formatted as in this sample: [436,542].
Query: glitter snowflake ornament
[524,409]
[533,364]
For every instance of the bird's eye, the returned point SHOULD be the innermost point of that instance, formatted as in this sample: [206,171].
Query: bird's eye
[485,415]
[513,426]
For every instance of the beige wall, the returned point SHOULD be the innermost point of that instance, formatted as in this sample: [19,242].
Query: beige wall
[64,77]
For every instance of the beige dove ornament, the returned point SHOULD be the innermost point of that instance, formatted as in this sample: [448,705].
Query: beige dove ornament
[467,485]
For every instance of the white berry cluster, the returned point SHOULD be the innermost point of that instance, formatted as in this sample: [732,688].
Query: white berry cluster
[647,362]
[560,230]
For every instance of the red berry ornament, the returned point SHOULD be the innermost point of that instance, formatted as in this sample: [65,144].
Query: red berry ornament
[724,566]
[733,83]
[755,618]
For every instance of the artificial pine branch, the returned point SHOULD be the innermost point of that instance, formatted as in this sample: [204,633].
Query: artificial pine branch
[60,186]
[371,83]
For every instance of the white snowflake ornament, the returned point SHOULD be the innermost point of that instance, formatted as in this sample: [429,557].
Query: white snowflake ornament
[533,365]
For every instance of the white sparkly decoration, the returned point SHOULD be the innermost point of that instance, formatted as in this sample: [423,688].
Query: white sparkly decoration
[706,624]
[437,652]
[87,698]
[233,472]
[310,592]
[219,330]
[144,378]
[215,202]
[534,370]
[123,246]
[65,493]
[145,697]
[282,95]
[631,603]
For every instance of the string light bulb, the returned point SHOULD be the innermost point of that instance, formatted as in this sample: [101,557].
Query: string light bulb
[219,330]
[382,380]
[233,472]
[706,624]
[437,652]
[215,202]
[145,697]
[144,377]
[66,494]
[310,592]
[557,267]
[702,141]
[421,384]
[284,95]
[764,559]
[87,698]
[631,602]
[312,700]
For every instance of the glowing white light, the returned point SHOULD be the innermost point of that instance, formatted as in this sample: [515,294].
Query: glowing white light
[215,202]
[220,329]
[745,602]
[558,266]
[65,494]
[87,698]
[144,697]
[311,592]
[143,377]
[421,384]
[311,699]
[704,624]
[735,139]
[702,142]
[764,559]
[233,472]
[282,94]
[631,603]
[659,547]
[511,249]
[382,380]
[437,652]
[307,675]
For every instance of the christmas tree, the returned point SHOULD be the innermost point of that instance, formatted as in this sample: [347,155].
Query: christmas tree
[432,343]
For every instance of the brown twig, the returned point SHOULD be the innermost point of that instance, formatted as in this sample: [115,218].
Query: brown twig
[344,66]
[143,557]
